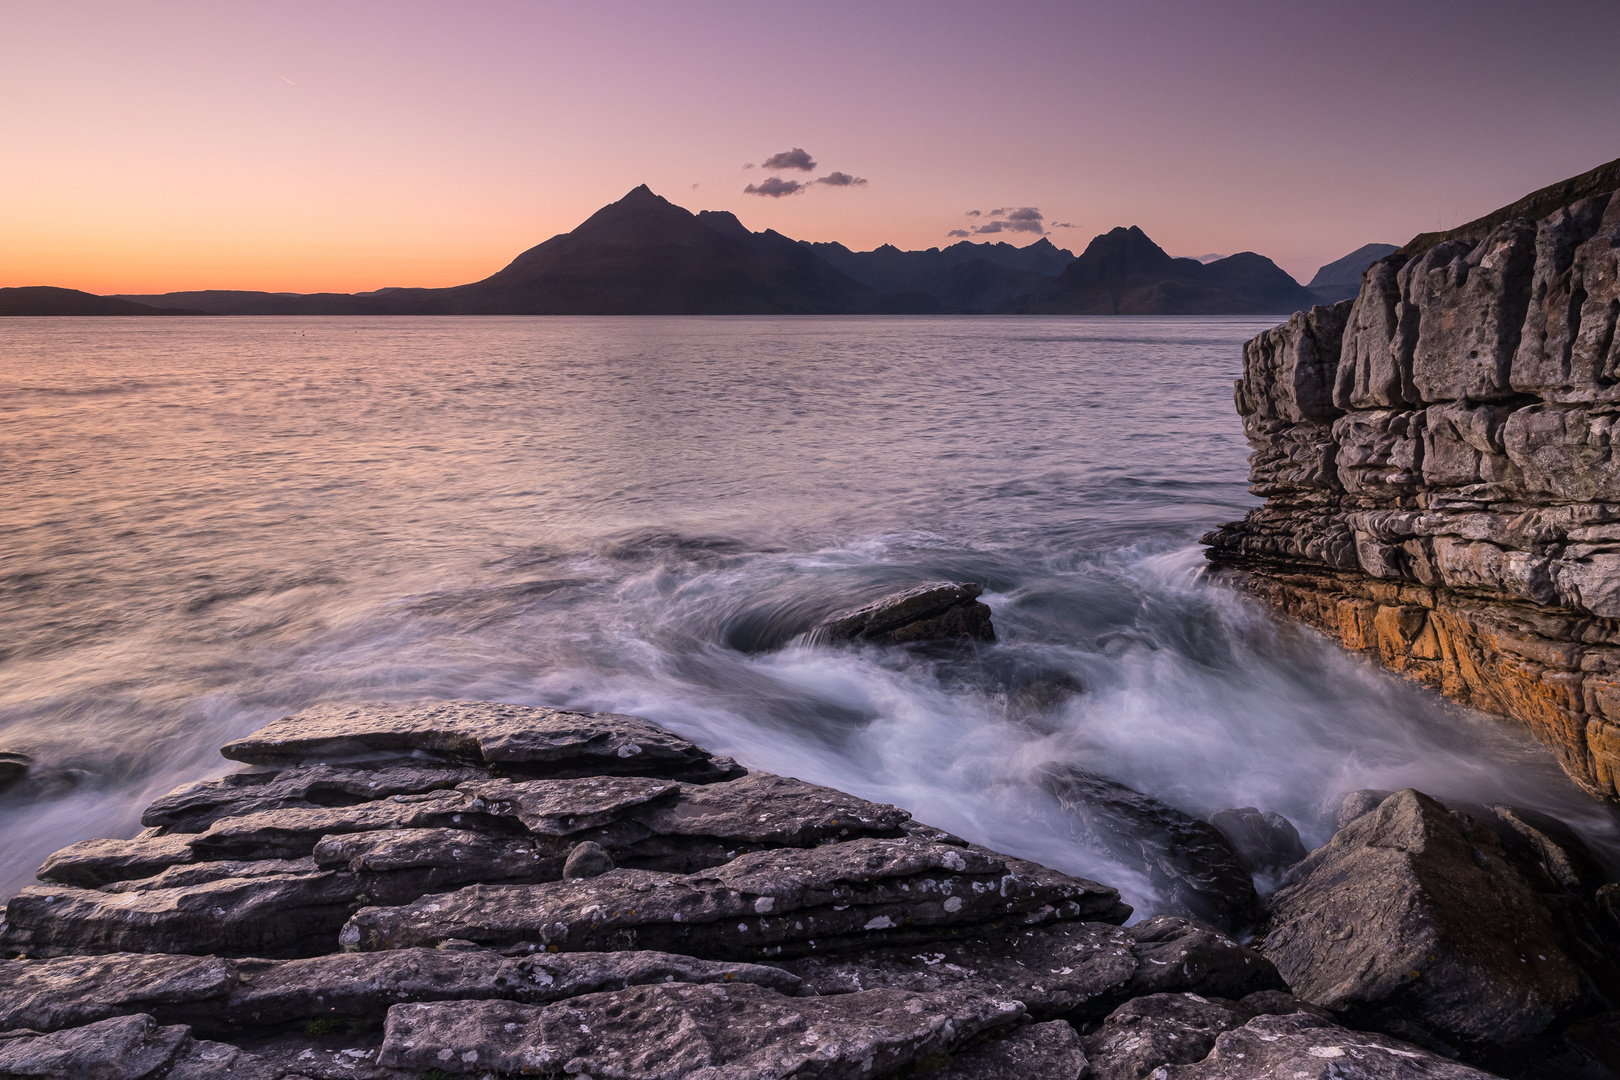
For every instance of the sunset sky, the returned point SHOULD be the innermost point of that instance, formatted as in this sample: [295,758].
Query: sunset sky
[344,146]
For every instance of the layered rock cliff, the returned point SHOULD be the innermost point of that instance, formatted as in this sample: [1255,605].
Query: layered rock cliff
[1438,462]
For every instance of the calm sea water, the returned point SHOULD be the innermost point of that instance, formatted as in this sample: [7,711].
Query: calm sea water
[210,523]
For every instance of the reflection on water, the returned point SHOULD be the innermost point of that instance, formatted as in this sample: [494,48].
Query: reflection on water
[210,523]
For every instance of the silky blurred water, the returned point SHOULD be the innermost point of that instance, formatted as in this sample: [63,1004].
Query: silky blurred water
[209,523]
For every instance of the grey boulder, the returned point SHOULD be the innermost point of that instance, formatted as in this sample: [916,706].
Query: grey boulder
[1407,924]
[1266,841]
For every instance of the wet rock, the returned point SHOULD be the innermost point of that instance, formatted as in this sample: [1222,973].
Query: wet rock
[13,768]
[187,875]
[1054,971]
[784,902]
[47,995]
[191,808]
[1049,1051]
[1607,902]
[1267,842]
[1192,865]
[1160,1029]
[1301,1046]
[1175,955]
[395,866]
[939,610]
[515,738]
[589,859]
[1360,802]
[273,915]
[704,1032]
[1405,924]
[1554,850]
[772,811]
[294,832]
[93,863]
[323,1052]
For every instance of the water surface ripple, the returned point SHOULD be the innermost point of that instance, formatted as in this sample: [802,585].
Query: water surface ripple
[212,522]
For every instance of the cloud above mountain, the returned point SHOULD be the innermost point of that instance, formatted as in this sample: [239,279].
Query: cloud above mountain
[842,179]
[775,187]
[795,158]
[1008,219]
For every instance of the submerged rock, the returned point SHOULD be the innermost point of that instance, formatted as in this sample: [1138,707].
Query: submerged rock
[1406,924]
[1267,842]
[939,610]
[1192,865]
[13,768]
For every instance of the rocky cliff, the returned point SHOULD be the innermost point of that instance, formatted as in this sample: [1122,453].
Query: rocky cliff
[1437,460]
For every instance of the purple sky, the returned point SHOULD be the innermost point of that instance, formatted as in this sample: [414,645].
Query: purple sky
[288,145]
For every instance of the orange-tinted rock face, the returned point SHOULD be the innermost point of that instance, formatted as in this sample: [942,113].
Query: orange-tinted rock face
[1438,462]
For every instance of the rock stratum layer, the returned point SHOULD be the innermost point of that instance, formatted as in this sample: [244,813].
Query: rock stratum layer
[1438,462]
[481,890]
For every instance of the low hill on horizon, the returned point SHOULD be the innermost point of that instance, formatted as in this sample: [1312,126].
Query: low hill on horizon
[644,255]
[50,300]
[1341,278]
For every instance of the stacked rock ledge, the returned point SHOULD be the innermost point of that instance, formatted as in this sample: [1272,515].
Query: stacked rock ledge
[389,896]
[1437,459]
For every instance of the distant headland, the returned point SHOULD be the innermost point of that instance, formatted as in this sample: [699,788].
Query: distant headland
[643,255]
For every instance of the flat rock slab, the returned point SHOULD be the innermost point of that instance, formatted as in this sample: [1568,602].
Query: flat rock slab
[704,1032]
[47,995]
[565,807]
[275,915]
[1305,1047]
[1190,863]
[193,807]
[216,993]
[1053,970]
[293,833]
[938,610]
[515,738]
[1405,923]
[91,864]
[127,1048]
[1049,1051]
[789,901]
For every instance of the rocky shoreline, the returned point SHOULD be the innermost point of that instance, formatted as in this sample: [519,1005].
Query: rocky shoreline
[486,890]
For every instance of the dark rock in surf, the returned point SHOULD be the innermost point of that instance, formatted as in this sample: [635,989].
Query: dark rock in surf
[1049,1051]
[589,859]
[937,611]
[1302,1046]
[1192,865]
[518,739]
[1405,923]
[741,1030]
[1159,1029]
[1267,842]
[13,768]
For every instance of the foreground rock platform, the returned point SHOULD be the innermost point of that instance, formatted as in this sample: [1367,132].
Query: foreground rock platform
[1437,462]
[385,899]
